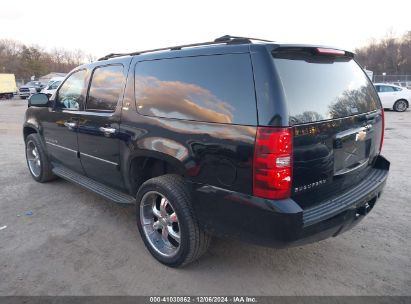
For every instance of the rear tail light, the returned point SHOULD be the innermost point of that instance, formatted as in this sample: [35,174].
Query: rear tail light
[272,166]
[382,128]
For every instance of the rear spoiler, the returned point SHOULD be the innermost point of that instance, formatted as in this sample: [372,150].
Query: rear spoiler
[312,53]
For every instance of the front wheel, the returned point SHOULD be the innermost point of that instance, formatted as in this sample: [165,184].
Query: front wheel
[37,161]
[167,223]
[400,105]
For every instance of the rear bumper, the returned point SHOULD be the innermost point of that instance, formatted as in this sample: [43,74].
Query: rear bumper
[283,223]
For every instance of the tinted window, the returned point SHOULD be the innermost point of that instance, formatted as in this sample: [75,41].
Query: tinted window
[70,93]
[206,88]
[324,88]
[378,88]
[385,89]
[54,85]
[106,87]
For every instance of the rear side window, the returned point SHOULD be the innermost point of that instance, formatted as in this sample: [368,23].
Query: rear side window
[323,88]
[106,87]
[216,88]
[386,89]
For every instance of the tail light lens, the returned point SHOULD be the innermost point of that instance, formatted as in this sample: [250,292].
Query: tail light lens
[272,166]
[382,128]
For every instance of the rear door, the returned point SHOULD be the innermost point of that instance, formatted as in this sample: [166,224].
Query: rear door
[336,117]
[98,126]
[388,95]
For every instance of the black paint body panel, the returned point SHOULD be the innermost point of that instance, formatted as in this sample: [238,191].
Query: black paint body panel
[216,159]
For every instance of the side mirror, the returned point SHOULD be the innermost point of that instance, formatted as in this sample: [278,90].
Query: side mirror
[38,100]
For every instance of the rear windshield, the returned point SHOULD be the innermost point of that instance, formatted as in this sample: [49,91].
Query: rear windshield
[320,88]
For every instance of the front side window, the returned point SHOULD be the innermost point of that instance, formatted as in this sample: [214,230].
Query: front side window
[106,87]
[70,95]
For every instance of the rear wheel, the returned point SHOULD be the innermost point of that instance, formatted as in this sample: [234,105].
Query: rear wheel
[37,161]
[167,223]
[400,105]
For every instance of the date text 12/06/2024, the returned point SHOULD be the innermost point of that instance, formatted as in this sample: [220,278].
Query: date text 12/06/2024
[204,299]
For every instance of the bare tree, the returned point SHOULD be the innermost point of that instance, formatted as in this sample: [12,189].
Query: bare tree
[390,55]
[25,61]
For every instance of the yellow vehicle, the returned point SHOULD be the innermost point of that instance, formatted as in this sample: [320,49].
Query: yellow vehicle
[7,85]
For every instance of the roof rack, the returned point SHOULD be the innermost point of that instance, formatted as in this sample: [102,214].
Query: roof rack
[227,39]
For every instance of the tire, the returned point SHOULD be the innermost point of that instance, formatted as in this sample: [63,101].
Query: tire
[44,173]
[23,97]
[193,241]
[400,105]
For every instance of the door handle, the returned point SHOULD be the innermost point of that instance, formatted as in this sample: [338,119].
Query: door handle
[359,165]
[107,130]
[70,125]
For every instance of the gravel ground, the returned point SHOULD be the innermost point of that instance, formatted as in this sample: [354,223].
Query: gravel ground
[63,240]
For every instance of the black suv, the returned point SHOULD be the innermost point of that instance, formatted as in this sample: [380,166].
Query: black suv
[274,144]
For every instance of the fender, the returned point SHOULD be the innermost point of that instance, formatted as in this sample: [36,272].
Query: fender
[30,120]
[159,148]
[32,124]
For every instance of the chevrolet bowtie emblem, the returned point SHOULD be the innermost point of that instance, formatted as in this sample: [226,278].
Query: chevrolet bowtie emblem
[360,136]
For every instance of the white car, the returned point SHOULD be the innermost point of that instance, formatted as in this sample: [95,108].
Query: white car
[51,87]
[393,96]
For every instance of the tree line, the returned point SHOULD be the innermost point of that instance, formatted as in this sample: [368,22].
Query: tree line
[26,61]
[390,55]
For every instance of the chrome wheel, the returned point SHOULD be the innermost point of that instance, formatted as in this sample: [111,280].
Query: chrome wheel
[160,223]
[33,159]
[400,106]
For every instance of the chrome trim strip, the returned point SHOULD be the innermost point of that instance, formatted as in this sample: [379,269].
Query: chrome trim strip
[97,158]
[58,146]
[84,154]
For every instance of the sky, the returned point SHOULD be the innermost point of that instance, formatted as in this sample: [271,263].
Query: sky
[102,27]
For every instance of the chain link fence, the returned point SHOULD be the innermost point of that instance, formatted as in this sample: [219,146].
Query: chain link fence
[392,78]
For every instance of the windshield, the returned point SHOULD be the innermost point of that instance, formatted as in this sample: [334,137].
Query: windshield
[32,83]
[54,85]
[323,88]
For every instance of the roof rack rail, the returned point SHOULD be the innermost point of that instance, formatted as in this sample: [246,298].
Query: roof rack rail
[227,39]
[238,39]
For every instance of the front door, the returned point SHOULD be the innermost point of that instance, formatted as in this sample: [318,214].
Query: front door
[98,128]
[60,126]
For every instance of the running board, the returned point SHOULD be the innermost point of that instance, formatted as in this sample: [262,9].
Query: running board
[96,187]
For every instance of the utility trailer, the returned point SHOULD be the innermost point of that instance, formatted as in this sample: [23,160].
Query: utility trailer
[7,86]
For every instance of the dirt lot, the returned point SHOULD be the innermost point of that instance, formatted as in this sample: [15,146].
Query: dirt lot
[62,240]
